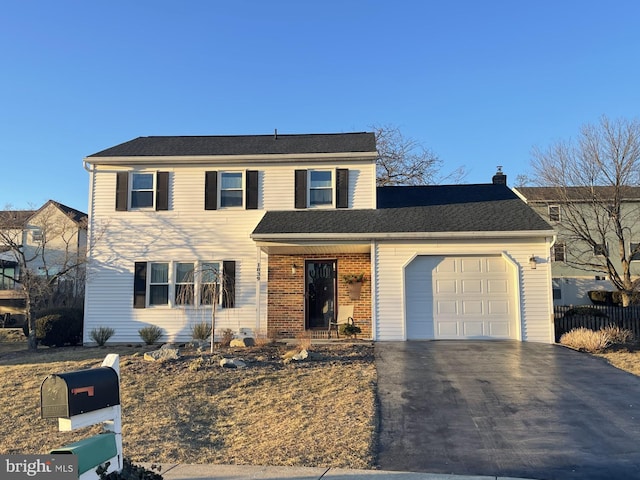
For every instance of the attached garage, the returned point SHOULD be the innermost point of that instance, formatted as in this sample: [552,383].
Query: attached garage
[461,297]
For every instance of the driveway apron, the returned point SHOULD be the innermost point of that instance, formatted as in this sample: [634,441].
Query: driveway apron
[506,408]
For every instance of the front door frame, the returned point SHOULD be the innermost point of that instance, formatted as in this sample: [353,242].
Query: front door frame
[321,297]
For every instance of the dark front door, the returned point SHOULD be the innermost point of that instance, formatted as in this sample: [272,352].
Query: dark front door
[320,284]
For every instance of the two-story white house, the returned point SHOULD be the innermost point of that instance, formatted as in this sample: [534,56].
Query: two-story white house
[48,241]
[282,219]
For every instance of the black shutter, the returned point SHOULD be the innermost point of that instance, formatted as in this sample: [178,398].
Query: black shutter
[342,188]
[162,191]
[228,284]
[251,202]
[210,190]
[140,285]
[301,189]
[122,191]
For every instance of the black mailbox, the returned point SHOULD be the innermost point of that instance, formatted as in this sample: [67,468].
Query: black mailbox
[63,395]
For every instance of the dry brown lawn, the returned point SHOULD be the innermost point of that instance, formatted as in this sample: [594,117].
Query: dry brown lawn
[624,357]
[318,412]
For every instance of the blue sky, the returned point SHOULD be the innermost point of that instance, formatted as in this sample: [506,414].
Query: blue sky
[478,82]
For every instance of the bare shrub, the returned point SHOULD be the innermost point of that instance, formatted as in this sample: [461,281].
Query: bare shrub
[101,335]
[227,336]
[304,340]
[201,331]
[587,340]
[263,340]
[150,334]
[618,336]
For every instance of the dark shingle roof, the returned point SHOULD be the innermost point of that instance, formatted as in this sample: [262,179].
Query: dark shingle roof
[557,194]
[14,218]
[430,209]
[243,145]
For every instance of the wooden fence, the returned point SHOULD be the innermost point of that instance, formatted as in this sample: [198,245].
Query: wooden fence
[627,318]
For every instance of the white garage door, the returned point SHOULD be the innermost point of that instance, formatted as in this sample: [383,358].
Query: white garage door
[465,297]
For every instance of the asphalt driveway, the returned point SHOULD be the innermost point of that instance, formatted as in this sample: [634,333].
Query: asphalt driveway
[506,408]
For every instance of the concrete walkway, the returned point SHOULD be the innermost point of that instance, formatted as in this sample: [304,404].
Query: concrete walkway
[241,472]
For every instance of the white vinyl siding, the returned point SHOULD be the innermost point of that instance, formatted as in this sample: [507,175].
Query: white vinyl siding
[533,294]
[189,233]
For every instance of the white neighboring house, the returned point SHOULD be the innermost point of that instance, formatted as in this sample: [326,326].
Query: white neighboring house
[282,219]
[571,284]
[52,238]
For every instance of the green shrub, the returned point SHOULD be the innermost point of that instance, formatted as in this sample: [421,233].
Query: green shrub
[56,327]
[586,311]
[101,335]
[201,331]
[603,297]
[349,329]
[150,334]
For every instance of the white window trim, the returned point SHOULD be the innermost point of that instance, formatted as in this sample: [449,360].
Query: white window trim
[153,191]
[242,189]
[564,252]
[333,188]
[549,213]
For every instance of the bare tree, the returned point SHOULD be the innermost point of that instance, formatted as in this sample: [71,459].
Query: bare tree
[202,286]
[594,178]
[403,161]
[47,254]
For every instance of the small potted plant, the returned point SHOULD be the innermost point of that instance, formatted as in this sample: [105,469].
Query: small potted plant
[349,329]
[354,283]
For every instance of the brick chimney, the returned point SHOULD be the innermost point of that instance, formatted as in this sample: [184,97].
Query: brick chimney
[499,178]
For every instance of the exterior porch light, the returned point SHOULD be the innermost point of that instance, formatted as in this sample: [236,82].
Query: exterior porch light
[294,269]
[533,262]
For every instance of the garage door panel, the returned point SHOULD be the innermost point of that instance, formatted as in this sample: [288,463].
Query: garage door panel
[497,286]
[447,308]
[473,329]
[498,307]
[446,286]
[448,329]
[472,307]
[472,297]
[471,286]
[499,329]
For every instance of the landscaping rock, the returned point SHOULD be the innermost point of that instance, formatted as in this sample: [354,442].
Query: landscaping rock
[232,363]
[296,357]
[162,354]
[242,342]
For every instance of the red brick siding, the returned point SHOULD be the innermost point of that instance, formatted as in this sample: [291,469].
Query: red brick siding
[285,293]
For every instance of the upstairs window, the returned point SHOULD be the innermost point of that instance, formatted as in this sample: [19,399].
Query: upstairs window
[37,235]
[634,252]
[600,250]
[231,189]
[558,252]
[320,188]
[142,190]
[554,213]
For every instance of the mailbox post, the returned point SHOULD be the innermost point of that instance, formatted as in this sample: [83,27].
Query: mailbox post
[83,398]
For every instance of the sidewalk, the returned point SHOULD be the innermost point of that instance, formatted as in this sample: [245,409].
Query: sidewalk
[242,472]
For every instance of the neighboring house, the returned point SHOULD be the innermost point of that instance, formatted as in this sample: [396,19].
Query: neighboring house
[282,218]
[50,238]
[570,284]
